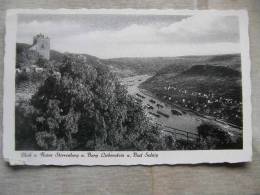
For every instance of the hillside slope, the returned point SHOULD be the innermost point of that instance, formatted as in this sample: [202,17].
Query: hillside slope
[135,66]
[80,106]
[26,57]
[210,90]
[169,65]
[28,82]
[220,80]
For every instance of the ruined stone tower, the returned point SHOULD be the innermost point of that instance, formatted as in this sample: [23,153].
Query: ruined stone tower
[41,44]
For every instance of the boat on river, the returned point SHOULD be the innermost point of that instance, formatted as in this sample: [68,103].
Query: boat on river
[154,114]
[139,95]
[176,112]
[138,100]
[149,106]
[159,106]
[163,114]
[152,101]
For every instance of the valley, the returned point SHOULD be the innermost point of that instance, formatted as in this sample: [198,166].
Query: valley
[171,115]
[209,90]
[178,94]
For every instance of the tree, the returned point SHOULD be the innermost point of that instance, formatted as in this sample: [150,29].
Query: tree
[214,137]
[86,108]
[43,63]
[24,131]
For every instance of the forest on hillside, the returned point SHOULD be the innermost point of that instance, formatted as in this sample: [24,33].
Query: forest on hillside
[84,108]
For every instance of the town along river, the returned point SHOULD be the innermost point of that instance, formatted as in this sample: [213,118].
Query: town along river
[169,115]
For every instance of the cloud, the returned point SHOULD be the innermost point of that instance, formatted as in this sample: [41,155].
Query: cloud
[52,29]
[204,28]
[196,35]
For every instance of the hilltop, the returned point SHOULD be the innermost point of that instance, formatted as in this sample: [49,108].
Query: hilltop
[137,66]
[26,57]
[170,65]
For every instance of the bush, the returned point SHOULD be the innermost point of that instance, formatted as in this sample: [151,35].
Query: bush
[24,131]
[213,137]
[21,77]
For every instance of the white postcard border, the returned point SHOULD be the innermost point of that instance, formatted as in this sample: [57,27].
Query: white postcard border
[148,157]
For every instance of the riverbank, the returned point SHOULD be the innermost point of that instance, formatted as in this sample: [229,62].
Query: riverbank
[146,92]
[188,121]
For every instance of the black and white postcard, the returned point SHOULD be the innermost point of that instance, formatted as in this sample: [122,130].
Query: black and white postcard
[126,87]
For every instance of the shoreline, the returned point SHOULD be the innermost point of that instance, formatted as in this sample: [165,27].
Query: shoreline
[216,120]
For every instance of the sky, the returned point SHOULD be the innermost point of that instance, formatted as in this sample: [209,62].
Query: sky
[113,36]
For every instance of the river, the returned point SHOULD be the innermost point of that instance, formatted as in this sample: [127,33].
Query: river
[187,121]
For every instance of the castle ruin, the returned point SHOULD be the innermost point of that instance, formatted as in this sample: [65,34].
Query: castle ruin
[41,44]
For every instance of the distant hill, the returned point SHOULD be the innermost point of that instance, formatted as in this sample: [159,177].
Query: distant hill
[169,65]
[220,80]
[201,73]
[132,66]
[183,63]
[210,71]
[149,65]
